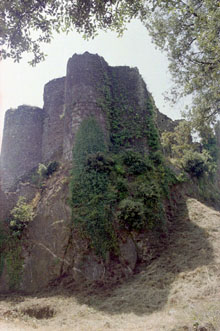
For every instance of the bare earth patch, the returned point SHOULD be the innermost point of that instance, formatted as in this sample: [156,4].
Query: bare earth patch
[180,290]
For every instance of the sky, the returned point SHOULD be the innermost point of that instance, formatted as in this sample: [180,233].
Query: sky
[22,84]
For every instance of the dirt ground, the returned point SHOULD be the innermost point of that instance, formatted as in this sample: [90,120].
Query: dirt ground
[180,290]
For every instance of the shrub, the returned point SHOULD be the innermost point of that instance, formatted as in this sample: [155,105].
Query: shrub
[21,215]
[99,162]
[51,168]
[135,162]
[42,171]
[131,214]
[195,163]
[91,196]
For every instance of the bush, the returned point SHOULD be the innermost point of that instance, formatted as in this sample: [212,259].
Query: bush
[51,168]
[99,162]
[21,215]
[197,164]
[42,171]
[135,162]
[131,214]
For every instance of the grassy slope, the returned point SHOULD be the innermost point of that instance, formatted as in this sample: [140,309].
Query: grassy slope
[180,288]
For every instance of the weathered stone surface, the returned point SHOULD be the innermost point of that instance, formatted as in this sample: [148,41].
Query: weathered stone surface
[3,204]
[32,135]
[53,126]
[89,268]
[84,75]
[48,237]
[128,253]
[22,143]
[165,123]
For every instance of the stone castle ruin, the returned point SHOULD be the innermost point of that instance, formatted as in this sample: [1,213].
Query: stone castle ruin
[33,135]
[117,98]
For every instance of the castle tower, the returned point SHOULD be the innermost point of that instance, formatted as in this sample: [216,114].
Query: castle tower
[21,144]
[84,79]
[53,127]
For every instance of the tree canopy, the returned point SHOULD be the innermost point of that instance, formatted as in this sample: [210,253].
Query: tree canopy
[187,30]
[25,24]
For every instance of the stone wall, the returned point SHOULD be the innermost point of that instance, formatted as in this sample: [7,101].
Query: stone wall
[22,143]
[165,123]
[82,93]
[54,108]
[32,135]
[129,93]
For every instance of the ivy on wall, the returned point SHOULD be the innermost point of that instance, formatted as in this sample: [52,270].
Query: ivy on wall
[114,189]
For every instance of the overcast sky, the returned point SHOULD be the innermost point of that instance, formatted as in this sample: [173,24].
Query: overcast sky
[22,84]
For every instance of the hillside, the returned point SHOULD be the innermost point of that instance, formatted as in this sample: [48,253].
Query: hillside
[178,291]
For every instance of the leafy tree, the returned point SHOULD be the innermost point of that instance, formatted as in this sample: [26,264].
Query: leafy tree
[189,32]
[176,143]
[25,24]
[198,164]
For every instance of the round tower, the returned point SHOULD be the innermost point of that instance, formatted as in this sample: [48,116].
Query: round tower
[21,144]
[83,92]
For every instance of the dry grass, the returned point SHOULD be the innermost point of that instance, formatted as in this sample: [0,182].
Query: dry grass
[180,288]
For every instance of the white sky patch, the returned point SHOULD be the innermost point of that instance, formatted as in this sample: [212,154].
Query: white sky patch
[22,84]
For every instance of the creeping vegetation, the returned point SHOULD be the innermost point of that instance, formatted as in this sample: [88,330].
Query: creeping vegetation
[44,172]
[114,190]
[21,215]
[198,159]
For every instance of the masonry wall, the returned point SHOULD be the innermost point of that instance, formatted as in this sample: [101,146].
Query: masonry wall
[33,135]
[165,123]
[129,92]
[22,143]
[53,126]
[82,94]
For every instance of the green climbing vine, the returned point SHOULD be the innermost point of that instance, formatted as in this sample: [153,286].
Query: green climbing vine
[114,190]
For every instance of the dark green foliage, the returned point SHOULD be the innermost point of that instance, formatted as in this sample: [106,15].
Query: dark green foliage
[99,162]
[130,124]
[124,187]
[157,157]
[135,162]
[195,163]
[11,257]
[110,191]
[51,168]
[20,217]
[91,199]
[210,144]
[14,262]
[153,139]
[131,214]
[43,172]
[89,140]
[198,164]
[3,239]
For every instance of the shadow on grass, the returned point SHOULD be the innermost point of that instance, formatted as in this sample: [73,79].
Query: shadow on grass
[148,291]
